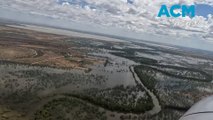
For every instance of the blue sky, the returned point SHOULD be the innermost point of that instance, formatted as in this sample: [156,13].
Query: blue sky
[204,10]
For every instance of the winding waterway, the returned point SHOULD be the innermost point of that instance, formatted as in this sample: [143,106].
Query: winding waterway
[157,108]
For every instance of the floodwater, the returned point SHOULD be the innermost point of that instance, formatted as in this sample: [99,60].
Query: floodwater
[125,78]
[117,70]
[157,108]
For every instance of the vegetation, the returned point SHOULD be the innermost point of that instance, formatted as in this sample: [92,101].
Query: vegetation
[120,99]
[69,109]
[146,75]
[178,72]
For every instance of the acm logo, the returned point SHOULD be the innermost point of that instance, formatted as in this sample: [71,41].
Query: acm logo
[184,11]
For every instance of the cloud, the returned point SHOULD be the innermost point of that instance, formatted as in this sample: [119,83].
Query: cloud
[134,15]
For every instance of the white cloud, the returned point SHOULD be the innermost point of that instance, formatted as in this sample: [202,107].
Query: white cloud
[139,16]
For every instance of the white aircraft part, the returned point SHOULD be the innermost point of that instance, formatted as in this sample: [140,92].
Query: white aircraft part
[202,110]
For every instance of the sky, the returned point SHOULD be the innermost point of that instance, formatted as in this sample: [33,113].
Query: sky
[204,10]
[127,18]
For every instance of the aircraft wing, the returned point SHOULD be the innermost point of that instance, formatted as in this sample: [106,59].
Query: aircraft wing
[202,110]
